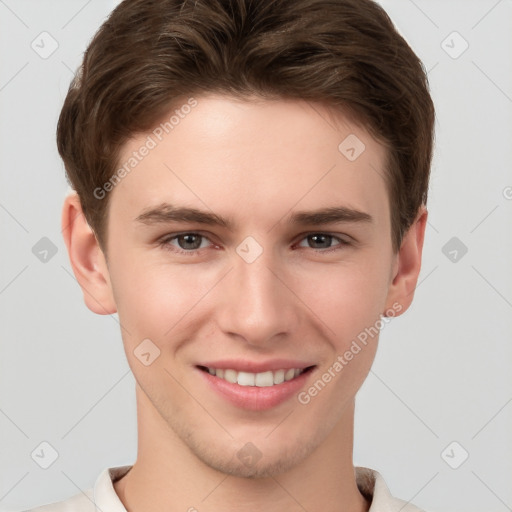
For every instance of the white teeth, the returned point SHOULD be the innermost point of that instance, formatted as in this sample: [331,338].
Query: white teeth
[230,376]
[245,379]
[278,376]
[262,379]
[289,374]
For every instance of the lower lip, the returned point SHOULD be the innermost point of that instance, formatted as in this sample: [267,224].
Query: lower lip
[254,398]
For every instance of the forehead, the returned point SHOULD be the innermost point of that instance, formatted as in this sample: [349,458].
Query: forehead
[258,157]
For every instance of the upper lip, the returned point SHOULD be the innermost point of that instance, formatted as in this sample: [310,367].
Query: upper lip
[242,365]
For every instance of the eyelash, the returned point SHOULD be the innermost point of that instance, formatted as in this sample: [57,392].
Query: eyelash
[165,243]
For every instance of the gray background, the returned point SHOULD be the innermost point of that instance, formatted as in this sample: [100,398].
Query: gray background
[442,372]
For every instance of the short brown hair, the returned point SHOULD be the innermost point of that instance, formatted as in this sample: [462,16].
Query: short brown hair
[150,54]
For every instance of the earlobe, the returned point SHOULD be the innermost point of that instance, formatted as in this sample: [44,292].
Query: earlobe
[408,266]
[86,258]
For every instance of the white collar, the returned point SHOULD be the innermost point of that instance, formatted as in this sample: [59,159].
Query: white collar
[370,483]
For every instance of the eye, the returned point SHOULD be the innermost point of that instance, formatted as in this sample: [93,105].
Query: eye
[184,243]
[190,243]
[321,241]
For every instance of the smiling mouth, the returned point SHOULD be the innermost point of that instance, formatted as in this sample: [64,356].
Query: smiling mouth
[261,379]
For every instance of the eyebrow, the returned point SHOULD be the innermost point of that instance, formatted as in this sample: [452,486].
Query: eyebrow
[166,212]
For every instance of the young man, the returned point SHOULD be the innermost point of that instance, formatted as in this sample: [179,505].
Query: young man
[250,181]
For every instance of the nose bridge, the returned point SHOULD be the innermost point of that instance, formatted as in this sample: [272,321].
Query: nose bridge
[256,303]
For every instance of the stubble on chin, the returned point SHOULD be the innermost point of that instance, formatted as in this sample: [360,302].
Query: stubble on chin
[222,453]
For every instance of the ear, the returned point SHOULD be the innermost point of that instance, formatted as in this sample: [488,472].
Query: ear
[407,266]
[86,257]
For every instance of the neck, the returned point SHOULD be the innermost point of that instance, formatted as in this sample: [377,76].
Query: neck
[167,476]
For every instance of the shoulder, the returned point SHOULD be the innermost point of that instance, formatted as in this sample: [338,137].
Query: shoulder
[81,502]
[102,496]
[372,486]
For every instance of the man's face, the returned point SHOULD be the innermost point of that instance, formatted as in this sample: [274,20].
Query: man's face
[270,291]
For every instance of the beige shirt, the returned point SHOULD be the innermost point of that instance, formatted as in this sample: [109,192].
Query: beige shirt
[103,496]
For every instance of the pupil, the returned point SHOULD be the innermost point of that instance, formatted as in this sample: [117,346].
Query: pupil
[193,240]
[321,239]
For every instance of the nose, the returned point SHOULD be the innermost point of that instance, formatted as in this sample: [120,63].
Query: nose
[257,304]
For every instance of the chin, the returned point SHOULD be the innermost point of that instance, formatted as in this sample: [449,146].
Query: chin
[244,459]
[261,467]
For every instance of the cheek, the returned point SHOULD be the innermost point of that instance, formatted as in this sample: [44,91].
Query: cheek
[347,298]
[152,298]
[349,301]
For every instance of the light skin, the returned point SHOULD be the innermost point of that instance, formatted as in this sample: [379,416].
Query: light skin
[304,298]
